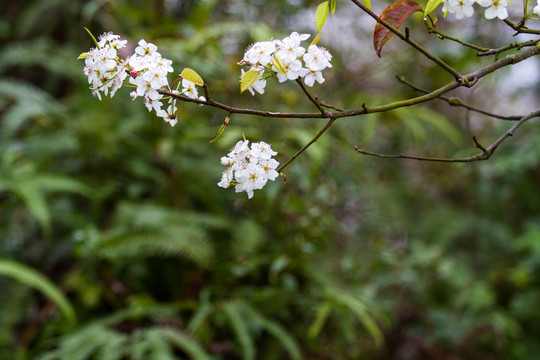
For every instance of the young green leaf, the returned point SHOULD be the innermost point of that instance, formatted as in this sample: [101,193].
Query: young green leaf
[395,15]
[92,36]
[83,56]
[248,79]
[277,63]
[321,14]
[316,40]
[431,5]
[191,75]
[333,6]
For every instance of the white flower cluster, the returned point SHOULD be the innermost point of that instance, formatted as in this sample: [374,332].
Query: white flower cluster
[464,8]
[282,57]
[248,168]
[536,9]
[146,68]
[105,70]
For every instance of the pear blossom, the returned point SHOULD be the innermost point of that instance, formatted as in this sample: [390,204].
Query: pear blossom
[249,169]
[495,8]
[260,53]
[190,90]
[317,58]
[283,59]
[461,8]
[536,9]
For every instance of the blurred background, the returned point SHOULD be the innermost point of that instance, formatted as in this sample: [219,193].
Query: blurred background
[116,242]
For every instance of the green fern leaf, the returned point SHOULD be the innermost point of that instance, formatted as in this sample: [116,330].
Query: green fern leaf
[186,343]
[240,328]
[276,330]
[36,280]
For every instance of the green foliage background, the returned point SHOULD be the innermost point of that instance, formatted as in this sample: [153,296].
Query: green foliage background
[116,243]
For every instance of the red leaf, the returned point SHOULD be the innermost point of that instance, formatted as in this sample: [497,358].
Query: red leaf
[395,15]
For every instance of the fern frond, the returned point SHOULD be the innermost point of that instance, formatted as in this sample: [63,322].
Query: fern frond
[113,348]
[161,350]
[276,330]
[323,312]
[185,343]
[342,298]
[30,190]
[36,280]
[248,236]
[41,52]
[202,313]
[169,242]
[238,323]
[30,101]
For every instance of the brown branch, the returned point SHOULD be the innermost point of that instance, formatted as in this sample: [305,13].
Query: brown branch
[432,29]
[455,101]
[516,45]
[406,37]
[484,155]
[468,80]
[304,148]
[311,98]
[520,28]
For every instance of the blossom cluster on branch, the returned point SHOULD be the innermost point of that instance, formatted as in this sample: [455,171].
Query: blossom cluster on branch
[249,168]
[283,58]
[146,68]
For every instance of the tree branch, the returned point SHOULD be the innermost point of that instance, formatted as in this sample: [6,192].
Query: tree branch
[304,148]
[515,45]
[432,29]
[484,155]
[455,101]
[407,39]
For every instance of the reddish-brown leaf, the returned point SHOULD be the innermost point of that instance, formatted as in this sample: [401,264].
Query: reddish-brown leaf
[395,15]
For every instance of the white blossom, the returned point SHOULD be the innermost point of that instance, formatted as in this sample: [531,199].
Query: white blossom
[461,8]
[249,169]
[536,9]
[495,8]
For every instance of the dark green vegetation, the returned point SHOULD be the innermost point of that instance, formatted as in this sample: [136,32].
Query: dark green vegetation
[121,245]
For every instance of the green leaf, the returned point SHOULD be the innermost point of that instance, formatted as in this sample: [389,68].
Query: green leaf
[276,330]
[431,5]
[333,6]
[186,343]
[395,15]
[238,323]
[321,14]
[36,280]
[83,56]
[360,309]
[249,78]
[368,3]
[92,36]
[191,75]
[316,40]
[322,314]
[221,129]
[279,65]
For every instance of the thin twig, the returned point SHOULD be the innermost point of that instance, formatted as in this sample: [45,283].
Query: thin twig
[520,28]
[408,40]
[516,45]
[484,155]
[441,35]
[322,131]
[311,98]
[467,80]
[455,101]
